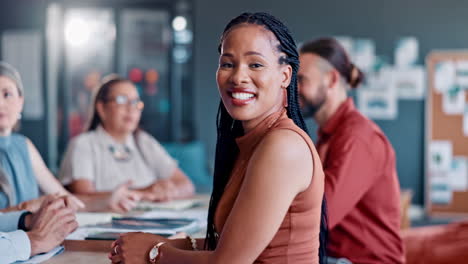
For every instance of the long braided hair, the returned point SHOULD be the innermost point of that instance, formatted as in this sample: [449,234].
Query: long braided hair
[228,128]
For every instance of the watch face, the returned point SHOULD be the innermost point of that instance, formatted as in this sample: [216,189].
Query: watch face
[154,252]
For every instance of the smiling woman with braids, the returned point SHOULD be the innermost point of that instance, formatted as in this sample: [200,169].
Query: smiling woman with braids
[267,199]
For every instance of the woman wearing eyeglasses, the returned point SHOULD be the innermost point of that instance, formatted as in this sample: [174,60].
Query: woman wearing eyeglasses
[117,161]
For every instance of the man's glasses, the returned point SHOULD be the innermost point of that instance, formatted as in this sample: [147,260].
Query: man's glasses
[124,100]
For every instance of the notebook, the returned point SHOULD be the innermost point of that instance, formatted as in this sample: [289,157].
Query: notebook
[162,226]
[151,223]
[176,205]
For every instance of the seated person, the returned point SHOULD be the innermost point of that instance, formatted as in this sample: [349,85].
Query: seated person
[361,183]
[24,172]
[24,234]
[266,205]
[115,153]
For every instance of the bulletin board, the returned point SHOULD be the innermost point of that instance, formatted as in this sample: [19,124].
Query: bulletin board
[446,176]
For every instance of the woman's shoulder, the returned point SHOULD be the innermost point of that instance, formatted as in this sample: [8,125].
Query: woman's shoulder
[143,138]
[19,137]
[284,152]
[287,124]
[285,143]
[143,134]
[20,141]
[88,138]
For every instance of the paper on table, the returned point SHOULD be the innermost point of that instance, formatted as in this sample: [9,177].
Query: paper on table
[200,214]
[152,223]
[458,177]
[91,218]
[440,156]
[171,205]
[82,232]
[444,78]
[43,257]
[132,226]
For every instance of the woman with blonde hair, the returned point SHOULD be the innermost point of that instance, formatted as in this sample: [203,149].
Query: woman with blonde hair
[24,173]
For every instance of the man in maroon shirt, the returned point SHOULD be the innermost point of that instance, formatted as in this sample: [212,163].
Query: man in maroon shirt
[361,183]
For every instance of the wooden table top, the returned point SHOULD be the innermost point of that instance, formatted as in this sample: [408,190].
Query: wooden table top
[83,252]
[76,257]
[96,251]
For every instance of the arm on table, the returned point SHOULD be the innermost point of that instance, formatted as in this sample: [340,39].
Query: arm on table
[257,213]
[177,186]
[47,182]
[122,199]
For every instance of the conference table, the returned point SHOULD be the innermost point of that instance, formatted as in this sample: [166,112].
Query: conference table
[83,252]
[96,251]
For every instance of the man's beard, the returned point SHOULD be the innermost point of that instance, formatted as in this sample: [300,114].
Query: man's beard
[309,108]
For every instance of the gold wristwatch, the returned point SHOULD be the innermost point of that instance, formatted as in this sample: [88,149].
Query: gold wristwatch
[154,253]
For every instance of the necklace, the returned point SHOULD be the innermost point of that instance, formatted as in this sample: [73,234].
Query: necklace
[122,153]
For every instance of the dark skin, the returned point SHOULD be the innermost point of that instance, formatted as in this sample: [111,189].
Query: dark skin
[249,60]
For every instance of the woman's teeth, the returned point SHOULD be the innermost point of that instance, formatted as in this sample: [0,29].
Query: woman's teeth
[242,96]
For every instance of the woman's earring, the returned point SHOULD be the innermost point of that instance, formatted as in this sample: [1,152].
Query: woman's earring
[20,116]
[285,97]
